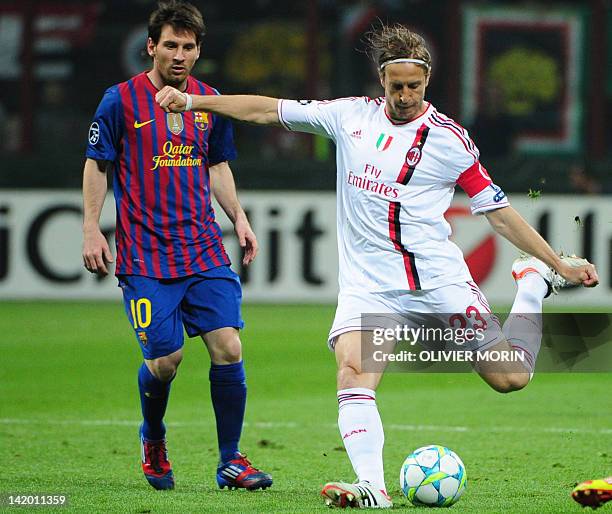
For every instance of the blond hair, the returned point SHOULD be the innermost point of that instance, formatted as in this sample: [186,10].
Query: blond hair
[389,42]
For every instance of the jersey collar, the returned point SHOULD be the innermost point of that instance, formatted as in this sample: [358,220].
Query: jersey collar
[401,123]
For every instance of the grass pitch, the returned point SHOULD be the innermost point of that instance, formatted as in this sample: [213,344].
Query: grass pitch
[69,415]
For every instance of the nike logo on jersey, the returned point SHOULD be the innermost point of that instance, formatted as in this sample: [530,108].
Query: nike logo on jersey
[138,124]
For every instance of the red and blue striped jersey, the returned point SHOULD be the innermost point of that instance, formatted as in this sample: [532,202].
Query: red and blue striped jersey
[166,225]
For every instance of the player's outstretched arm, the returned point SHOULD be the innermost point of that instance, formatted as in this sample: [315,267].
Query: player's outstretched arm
[510,224]
[96,252]
[261,110]
[224,190]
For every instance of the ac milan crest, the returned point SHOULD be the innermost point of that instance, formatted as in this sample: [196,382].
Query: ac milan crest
[413,156]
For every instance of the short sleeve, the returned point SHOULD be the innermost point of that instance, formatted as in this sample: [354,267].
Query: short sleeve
[314,116]
[484,194]
[463,160]
[105,130]
[461,152]
[221,142]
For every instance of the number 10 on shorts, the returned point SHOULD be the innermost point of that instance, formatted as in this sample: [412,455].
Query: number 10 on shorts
[141,312]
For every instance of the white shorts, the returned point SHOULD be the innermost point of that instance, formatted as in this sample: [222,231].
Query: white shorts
[456,305]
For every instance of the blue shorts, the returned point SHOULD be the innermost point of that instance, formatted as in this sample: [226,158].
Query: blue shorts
[158,308]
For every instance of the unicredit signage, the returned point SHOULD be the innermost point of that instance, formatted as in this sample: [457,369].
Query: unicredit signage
[40,245]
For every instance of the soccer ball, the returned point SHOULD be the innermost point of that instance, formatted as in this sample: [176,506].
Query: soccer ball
[433,476]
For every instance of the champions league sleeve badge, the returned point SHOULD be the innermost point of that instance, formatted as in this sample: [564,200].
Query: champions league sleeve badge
[94,133]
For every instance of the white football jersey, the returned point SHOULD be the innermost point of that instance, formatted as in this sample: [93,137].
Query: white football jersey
[395,181]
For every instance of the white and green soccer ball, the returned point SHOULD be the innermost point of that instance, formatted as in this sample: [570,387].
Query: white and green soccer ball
[433,476]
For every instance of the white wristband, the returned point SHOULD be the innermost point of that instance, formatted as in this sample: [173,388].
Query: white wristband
[188,102]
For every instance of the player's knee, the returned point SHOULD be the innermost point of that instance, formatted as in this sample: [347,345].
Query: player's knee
[349,376]
[164,368]
[232,352]
[164,373]
[229,352]
[224,346]
[228,356]
[509,382]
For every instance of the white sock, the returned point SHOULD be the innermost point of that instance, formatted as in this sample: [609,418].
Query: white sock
[523,328]
[362,434]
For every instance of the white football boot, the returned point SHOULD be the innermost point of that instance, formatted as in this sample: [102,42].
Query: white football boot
[528,264]
[361,495]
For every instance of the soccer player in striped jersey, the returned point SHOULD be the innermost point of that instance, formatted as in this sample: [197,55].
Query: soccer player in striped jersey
[171,263]
[398,162]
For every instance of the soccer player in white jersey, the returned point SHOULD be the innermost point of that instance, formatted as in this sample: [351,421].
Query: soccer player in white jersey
[398,162]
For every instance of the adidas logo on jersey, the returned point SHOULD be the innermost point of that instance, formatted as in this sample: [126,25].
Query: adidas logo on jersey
[356,134]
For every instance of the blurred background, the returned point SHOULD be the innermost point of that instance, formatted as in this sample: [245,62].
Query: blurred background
[531,80]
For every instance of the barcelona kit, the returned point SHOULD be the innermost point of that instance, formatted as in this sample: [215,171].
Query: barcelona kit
[166,233]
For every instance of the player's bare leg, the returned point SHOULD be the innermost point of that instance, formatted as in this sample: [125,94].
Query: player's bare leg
[350,362]
[504,377]
[165,368]
[360,428]
[223,345]
[228,393]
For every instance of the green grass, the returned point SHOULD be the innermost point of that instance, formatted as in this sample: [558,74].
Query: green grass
[69,413]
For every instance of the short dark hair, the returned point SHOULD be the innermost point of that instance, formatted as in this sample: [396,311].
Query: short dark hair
[182,16]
